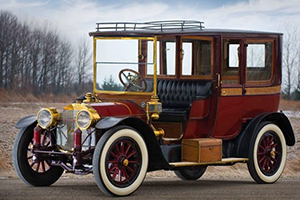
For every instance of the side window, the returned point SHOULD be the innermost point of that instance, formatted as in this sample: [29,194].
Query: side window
[259,61]
[231,61]
[196,57]
[166,57]
[170,52]
[150,70]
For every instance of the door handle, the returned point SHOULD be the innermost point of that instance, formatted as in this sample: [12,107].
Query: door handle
[218,80]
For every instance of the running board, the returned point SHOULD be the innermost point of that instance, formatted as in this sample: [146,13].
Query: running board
[224,161]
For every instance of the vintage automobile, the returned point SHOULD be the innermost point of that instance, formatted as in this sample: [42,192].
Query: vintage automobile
[167,95]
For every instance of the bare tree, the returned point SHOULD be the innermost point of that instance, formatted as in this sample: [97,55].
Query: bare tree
[82,61]
[35,59]
[64,74]
[290,58]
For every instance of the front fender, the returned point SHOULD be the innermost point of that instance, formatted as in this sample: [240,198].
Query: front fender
[243,141]
[156,158]
[26,121]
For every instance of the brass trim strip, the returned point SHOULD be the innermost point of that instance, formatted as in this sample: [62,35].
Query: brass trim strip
[231,91]
[263,90]
[251,91]
[224,161]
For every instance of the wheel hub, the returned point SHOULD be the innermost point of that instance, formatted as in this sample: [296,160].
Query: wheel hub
[272,154]
[125,162]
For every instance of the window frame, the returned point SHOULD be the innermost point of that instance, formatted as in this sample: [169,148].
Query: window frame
[260,41]
[203,77]
[241,57]
[96,63]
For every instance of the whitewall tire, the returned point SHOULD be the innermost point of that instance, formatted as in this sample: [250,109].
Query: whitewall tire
[120,161]
[267,154]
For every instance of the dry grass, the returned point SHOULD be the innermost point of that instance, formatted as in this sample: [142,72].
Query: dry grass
[289,105]
[3,162]
[12,96]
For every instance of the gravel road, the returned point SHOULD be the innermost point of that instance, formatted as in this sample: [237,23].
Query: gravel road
[230,182]
[155,188]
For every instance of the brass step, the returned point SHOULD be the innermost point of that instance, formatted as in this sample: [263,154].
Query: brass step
[223,161]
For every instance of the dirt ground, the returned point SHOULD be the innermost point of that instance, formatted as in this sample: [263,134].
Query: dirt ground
[11,112]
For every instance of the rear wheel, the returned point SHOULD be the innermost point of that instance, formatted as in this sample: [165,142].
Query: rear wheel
[190,173]
[35,173]
[267,154]
[120,161]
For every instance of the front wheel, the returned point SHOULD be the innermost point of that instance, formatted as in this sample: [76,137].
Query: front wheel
[35,173]
[267,154]
[120,161]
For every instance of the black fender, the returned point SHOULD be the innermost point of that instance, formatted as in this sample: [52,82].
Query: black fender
[156,158]
[26,121]
[243,140]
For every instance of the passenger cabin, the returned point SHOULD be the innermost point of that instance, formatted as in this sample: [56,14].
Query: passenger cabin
[210,82]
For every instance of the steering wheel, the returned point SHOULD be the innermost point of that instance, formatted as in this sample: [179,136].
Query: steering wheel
[132,80]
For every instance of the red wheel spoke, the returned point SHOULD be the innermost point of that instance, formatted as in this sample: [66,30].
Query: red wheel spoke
[274,145]
[115,173]
[262,147]
[37,167]
[274,159]
[112,161]
[48,163]
[131,154]
[117,149]
[32,164]
[261,160]
[122,148]
[264,165]
[129,169]
[48,143]
[271,164]
[43,166]
[133,161]
[43,140]
[268,164]
[264,143]
[112,168]
[125,174]
[30,157]
[114,155]
[270,141]
[127,149]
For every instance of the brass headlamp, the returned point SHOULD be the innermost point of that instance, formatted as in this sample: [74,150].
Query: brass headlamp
[47,117]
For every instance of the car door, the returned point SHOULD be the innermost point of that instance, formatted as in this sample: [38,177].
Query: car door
[230,102]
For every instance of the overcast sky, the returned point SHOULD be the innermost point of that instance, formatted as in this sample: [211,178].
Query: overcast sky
[78,17]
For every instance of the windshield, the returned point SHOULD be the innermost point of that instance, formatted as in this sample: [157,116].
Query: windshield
[121,64]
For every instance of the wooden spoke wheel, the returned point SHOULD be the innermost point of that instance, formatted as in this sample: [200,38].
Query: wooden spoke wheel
[120,161]
[267,154]
[33,169]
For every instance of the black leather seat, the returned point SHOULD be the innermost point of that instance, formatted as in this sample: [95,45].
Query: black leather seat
[177,96]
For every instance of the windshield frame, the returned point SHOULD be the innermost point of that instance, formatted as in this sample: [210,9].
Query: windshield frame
[153,93]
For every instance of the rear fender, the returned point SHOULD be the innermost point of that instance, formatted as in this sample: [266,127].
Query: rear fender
[26,121]
[156,158]
[243,141]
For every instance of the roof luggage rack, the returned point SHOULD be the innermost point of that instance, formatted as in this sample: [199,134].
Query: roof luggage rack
[159,26]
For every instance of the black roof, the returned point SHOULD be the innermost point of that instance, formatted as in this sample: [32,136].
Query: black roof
[173,27]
